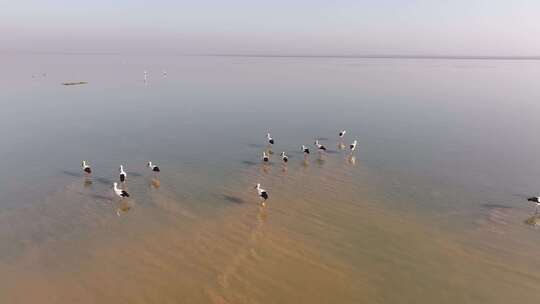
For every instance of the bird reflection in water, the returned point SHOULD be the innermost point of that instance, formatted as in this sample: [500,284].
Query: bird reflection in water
[87,182]
[123,207]
[352,160]
[155,183]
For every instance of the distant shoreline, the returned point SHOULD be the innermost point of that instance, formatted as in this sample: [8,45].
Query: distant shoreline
[445,57]
[262,55]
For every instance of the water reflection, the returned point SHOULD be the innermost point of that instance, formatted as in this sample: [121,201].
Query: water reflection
[155,183]
[123,206]
[533,220]
[87,182]
[265,168]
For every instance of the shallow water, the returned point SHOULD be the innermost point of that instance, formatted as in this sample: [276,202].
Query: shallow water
[432,208]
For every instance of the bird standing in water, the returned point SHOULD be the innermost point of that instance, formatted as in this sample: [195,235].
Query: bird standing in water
[86,167]
[120,192]
[262,194]
[123,174]
[269,138]
[284,157]
[154,167]
[319,146]
[265,157]
[305,150]
[353,146]
[536,200]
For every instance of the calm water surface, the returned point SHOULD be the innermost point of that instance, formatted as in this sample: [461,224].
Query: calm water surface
[431,209]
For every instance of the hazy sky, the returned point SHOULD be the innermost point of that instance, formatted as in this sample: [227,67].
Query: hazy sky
[458,27]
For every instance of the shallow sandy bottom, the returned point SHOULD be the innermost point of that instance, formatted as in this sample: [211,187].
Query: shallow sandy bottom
[323,238]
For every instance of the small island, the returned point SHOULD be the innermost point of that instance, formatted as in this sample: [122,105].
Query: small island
[74,83]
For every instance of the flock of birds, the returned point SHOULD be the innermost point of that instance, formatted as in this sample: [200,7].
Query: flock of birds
[122,176]
[262,193]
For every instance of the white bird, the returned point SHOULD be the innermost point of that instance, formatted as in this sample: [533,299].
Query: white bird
[535,199]
[121,193]
[154,167]
[270,139]
[342,133]
[164,73]
[145,76]
[86,167]
[319,146]
[123,174]
[284,157]
[305,149]
[265,157]
[262,193]
[353,145]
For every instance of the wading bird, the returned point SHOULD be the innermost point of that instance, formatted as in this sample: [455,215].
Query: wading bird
[86,167]
[319,146]
[154,167]
[269,138]
[262,194]
[284,157]
[123,174]
[120,192]
[353,145]
[536,200]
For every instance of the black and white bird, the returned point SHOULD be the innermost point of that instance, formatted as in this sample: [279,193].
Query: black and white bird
[120,192]
[86,167]
[154,167]
[270,139]
[305,149]
[535,199]
[353,145]
[265,157]
[123,174]
[284,157]
[319,146]
[342,133]
[263,194]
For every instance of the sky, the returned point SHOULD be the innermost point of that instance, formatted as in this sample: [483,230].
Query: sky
[276,27]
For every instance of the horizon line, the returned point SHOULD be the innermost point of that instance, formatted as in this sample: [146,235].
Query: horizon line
[268,55]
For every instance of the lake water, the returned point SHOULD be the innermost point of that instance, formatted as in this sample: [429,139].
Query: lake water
[432,208]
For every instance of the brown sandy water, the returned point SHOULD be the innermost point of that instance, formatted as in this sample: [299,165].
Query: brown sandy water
[322,238]
[432,209]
